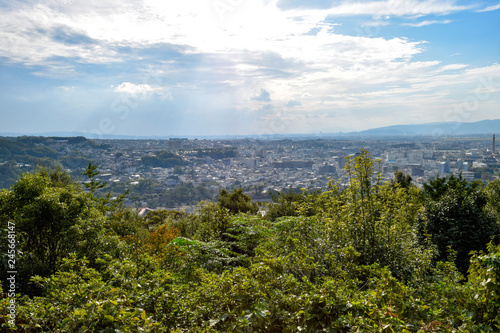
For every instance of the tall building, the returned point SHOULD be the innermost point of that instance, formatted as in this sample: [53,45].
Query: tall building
[462,166]
[175,143]
[493,150]
[444,167]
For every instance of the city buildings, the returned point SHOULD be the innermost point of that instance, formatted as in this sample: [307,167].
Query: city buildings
[263,166]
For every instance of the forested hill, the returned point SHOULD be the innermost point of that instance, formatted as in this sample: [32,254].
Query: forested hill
[372,256]
[40,146]
[26,152]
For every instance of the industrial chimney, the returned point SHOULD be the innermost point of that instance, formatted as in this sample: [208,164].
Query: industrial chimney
[493,151]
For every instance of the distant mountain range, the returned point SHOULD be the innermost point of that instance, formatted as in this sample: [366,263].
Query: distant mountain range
[485,127]
[436,129]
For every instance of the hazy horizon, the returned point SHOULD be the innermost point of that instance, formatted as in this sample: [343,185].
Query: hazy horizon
[241,67]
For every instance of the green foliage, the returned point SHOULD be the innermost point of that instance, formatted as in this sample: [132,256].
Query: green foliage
[104,204]
[124,222]
[25,150]
[145,185]
[92,185]
[493,196]
[489,173]
[75,161]
[485,277]
[213,256]
[77,299]
[9,173]
[53,217]
[245,233]
[158,217]
[401,180]
[457,218]
[210,222]
[237,202]
[344,260]
[375,219]
[177,170]
[57,176]
[219,242]
[42,213]
[439,187]
[216,153]
[284,204]
[299,246]
[163,159]
[38,151]
[184,193]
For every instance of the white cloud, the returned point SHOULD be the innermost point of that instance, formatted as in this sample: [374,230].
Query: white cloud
[489,9]
[245,25]
[453,67]
[426,23]
[397,8]
[141,91]
[66,88]
[234,51]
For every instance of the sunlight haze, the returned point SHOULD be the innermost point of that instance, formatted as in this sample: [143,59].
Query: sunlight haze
[243,67]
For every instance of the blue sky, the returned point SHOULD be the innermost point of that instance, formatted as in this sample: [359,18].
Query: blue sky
[242,67]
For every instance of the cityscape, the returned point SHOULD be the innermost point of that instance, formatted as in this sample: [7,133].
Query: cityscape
[176,173]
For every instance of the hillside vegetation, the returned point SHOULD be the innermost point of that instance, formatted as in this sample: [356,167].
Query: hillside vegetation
[26,152]
[372,256]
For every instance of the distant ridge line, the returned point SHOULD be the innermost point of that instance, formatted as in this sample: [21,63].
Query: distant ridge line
[437,129]
[483,127]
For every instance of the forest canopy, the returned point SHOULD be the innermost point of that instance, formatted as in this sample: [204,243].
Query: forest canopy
[371,256]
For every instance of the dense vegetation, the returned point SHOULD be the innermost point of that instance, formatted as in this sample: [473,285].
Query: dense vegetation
[24,153]
[369,257]
[216,153]
[163,159]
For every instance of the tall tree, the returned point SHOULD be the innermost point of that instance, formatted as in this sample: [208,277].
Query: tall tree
[53,217]
[374,219]
[237,202]
[401,180]
[455,216]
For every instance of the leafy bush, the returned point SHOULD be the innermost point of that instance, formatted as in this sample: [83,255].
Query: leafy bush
[77,299]
[458,219]
[484,275]
[348,260]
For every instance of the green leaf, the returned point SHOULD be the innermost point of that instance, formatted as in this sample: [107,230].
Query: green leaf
[110,318]
[492,286]
[80,312]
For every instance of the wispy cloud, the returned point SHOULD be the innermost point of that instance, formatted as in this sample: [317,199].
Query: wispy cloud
[489,8]
[426,23]
[398,8]
[141,91]
[452,67]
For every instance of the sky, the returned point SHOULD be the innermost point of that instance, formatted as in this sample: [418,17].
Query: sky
[245,67]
